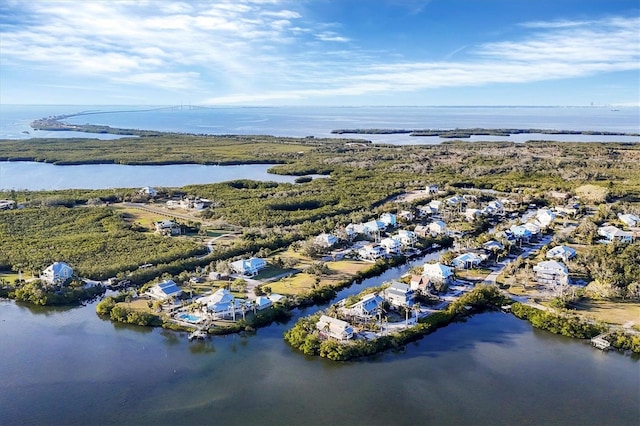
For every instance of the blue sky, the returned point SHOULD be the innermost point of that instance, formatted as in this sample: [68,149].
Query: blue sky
[320,52]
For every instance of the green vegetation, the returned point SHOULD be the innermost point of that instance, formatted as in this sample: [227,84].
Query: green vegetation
[467,133]
[564,324]
[304,335]
[95,241]
[40,294]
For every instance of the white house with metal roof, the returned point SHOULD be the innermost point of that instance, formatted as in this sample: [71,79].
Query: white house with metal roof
[164,290]
[561,252]
[551,272]
[334,328]
[248,267]
[437,272]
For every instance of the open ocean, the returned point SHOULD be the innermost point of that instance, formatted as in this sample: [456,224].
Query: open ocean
[320,121]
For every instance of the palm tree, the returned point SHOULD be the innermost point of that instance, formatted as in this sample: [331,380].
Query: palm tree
[379,311]
[406,313]
[416,310]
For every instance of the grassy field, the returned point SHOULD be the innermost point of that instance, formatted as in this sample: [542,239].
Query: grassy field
[145,218]
[300,283]
[611,312]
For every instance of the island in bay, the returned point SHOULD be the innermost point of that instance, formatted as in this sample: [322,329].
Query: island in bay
[547,231]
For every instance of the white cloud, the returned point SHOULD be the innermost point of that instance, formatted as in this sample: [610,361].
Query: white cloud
[555,51]
[251,51]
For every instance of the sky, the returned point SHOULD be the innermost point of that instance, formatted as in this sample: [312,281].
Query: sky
[320,52]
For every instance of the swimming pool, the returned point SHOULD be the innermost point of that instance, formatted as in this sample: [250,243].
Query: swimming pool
[189,317]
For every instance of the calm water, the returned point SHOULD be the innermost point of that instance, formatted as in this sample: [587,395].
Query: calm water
[66,366]
[42,176]
[69,367]
[319,121]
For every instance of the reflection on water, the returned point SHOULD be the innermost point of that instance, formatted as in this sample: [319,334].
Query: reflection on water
[43,176]
[492,368]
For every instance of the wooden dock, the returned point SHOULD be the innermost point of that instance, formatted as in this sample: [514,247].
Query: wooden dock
[600,342]
[198,335]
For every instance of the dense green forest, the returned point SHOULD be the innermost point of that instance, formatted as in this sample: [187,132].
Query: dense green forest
[96,241]
[361,179]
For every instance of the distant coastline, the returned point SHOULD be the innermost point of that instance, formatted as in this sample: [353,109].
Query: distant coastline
[467,133]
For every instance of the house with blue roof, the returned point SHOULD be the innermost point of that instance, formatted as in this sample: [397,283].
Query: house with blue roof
[520,232]
[467,261]
[326,240]
[368,305]
[389,219]
[164,290]
[56,274]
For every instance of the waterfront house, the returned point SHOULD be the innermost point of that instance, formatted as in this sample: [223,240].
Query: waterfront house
[56,274]
[334,328]
[277,298]
[561,252]
[326,240]
[389,219]
[368,305]
[551,272]
[629,219]
[221,303]
[263,302]
[372,251]
[437,272]
[248,267]
[164,290]
[419,283]
[466,261]
[399,294]
[406,238]
[612,233]
[391,245]
[437,227]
